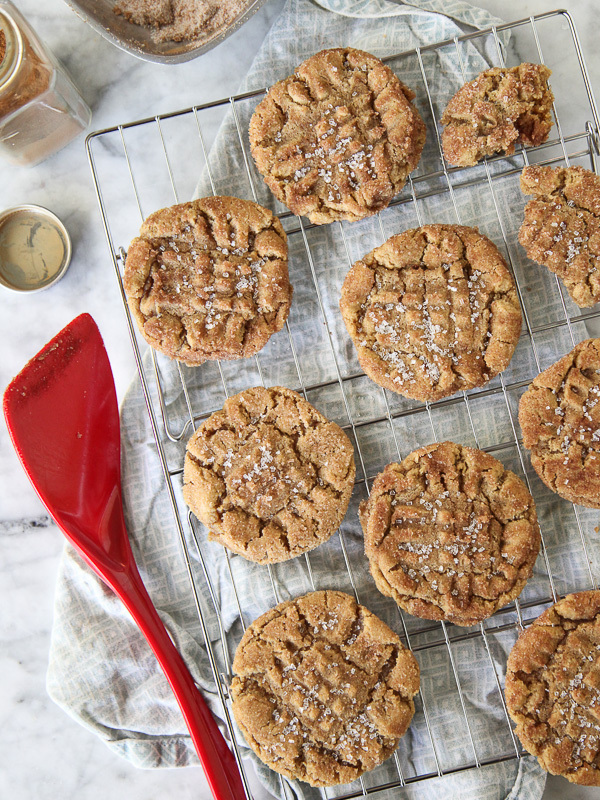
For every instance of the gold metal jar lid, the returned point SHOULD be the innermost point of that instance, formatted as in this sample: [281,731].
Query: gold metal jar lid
[11,49]
[35,248]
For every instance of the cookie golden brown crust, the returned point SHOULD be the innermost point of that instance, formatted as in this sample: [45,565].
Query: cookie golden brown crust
[209,279]
[495,111]
[323,688]
[553,688]
[269,475]
[561,229]
[338,138]
[433,311]
[450,534]
[559,416]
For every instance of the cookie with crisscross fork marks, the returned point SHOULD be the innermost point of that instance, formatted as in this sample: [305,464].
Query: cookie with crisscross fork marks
[209,279]
[450,533]
[553,688]
[561,227]
[559,415]
[338,138]
[323,688]
[433,311]
[269,475]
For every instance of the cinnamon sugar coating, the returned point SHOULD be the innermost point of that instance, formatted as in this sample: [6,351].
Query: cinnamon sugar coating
[561,229]
[559,416]
[269,475]
[338,138]
[323,688]
[495,111]
[553,688]
[208,279]
[151,13]
[450,534]
[433,311]
[181,20]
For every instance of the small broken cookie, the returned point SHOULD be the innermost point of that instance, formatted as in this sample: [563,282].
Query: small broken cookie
[323,689]
[559,416]
[450,533]
[208,279]
[501,107]
[338,138]
[553,688]
[432,311]
[561,229]
[269,475]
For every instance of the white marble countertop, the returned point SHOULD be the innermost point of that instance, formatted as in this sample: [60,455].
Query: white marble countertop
[45,754]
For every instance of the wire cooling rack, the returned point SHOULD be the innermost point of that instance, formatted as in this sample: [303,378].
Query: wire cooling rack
[141,166]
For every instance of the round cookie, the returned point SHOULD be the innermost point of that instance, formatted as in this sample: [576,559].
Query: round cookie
[450,534]
[559,416]
[338,138]
[209,279]
[499,108]
[269,475]
[323,688]
[561,228]
[553,688]
[433,311]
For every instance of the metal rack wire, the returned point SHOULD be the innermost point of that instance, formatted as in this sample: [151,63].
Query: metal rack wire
[113,153]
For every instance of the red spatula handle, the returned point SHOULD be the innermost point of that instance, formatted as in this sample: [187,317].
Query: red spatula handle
[217,760]
[62,415]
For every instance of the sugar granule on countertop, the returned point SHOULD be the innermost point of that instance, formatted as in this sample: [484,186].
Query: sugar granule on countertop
[180,20]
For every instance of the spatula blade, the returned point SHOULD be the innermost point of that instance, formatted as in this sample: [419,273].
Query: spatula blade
[62,415]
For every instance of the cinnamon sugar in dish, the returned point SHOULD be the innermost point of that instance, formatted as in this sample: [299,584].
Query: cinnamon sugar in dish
[181,20]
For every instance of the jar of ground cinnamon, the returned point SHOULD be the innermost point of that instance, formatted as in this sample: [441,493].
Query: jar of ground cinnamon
[40,108]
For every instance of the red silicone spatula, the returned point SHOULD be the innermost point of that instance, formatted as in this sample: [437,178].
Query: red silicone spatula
[63,419]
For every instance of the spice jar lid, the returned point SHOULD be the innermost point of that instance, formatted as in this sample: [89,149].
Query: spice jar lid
[35,248]
[11,48]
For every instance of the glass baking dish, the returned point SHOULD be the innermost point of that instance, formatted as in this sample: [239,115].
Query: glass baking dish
[138,40]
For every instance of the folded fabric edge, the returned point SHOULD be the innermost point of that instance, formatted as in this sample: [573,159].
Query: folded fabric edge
[530,771]
[160,752]
[142,751]
[465,13]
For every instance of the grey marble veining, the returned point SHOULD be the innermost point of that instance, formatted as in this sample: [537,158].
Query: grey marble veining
[46,755]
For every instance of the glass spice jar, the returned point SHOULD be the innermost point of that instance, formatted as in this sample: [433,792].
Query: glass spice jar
[40,108]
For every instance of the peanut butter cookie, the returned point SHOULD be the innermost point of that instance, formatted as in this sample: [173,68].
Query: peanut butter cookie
[432,311]
[559,416]
[338,138]
[450,533]
[553,688]
[323,689]
[495,111]
[209,279]
[561,229]
[269,475]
